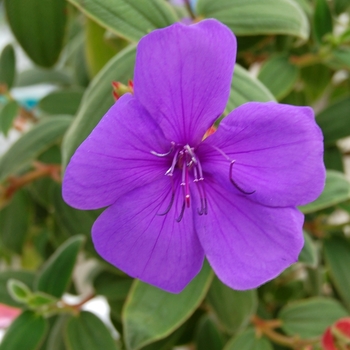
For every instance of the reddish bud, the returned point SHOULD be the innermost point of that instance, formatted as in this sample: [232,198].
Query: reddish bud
[209,132]
[120,89]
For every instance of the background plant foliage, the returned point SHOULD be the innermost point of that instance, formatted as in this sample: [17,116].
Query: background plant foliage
[303,50]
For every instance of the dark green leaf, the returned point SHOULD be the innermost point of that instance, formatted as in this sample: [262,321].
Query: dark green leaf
[233,308]
[24,276]
[208,335]
[279,75]
[333,159]
[322,23]
[87,331]
[248,340]
[315,87]
[341,5]
[309,318]
[245,88]
[56,273]
[342,56]
[18,290]
[337,253]
[7,115]
[337,190]
[97,100]
[168,310]
[39,27]
[61,102]
[128,20]
[14,222]
[43,135]
[7,66]
[255,17]
[26,332]
[308,254]
[55,339]
[334,121]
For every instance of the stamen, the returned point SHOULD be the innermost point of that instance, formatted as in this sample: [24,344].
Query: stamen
[182,212]
[170,171]
[235,184]
[164,154]
[171,200]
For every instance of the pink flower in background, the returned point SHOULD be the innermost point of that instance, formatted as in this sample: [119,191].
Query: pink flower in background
[174,198]
[7,315]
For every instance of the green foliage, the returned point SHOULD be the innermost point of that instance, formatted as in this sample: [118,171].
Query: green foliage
[80,47]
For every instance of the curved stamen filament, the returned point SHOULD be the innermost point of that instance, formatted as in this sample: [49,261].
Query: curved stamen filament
[235,184]
[164,154]
[171,199]
[182,212]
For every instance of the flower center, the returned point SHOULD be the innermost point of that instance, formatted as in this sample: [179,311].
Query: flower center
[185,160]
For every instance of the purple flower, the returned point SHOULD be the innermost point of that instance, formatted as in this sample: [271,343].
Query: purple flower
[173,198]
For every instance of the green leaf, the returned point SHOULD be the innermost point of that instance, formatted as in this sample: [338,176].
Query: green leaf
[39,27]
[18,290]
[308,254]
[245,88]
[232,308]
[309,318]
[55,339]
[72,221]
[341,5]
[322,21]
[337,254]
[337,190]
[55,275]
[7,115]
[334,121]
[39,299]
[98,51]
[208,335]
[97,100]
[26,332]
[256,17]
[168,310]
[7,66]
[87,331]
[128,20]
[35,76]
[25,277]
[333,158]
[61,102]
[342,56]
[14,227]
[248,340]
[43,135]
[279,75]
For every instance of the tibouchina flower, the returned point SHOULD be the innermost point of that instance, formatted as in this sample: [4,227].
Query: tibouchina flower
[174,198]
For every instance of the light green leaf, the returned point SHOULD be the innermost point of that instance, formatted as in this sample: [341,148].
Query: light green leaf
[168,311]
[337,190]
[56,273]
[87,331]
[7,66]
[39,27]
[126,19]
[25,277]
[245,88]
[14,227]
[308,254]
[232,308]
[61,102]
[279,75]
[334,121]
[256,17]
[248,340]
[35,76]
[337,254]
[97,100]
[39,299]
[26,332]
[18,290]
[7,115]
[43,135]
[309,318]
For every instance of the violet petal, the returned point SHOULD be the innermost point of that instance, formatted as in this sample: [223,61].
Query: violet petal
[183,76]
